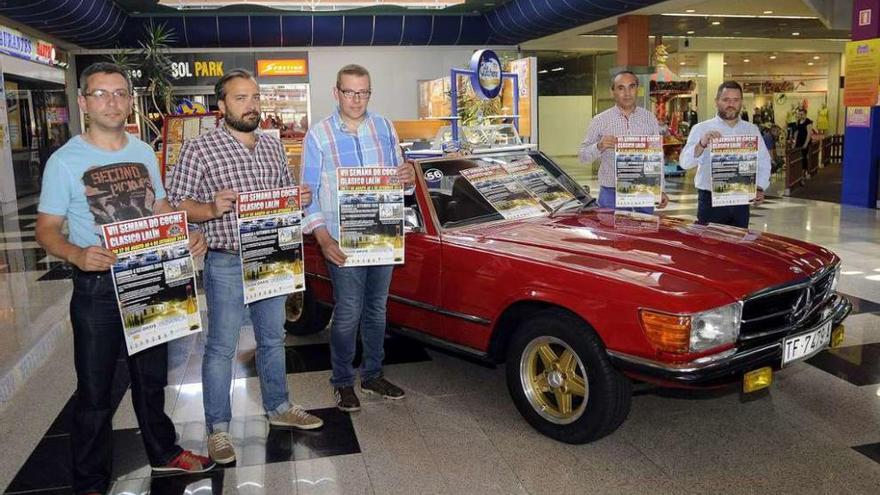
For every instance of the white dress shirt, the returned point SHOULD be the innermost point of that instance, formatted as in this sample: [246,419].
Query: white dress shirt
[703,179]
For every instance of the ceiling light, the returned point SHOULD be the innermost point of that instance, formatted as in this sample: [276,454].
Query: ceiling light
[690,11]
[795,33]
[543,71]
[682,63]
[742,16]
[690,32]
[809,63]
[716,23]
[816,57]
[772,57]
[725,63]
[557,69]
[768,11]
[746,60]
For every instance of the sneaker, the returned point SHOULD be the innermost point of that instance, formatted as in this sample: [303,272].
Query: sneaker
[381,386]
[220,448]
[346,399]
[296,417]
[186,462]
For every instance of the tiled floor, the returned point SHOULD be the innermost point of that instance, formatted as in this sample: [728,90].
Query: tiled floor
[457,432]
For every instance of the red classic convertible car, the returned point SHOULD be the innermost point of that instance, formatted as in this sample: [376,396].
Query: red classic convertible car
[578,300]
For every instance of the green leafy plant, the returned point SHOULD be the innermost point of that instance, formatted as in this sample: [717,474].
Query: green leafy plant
[153,64]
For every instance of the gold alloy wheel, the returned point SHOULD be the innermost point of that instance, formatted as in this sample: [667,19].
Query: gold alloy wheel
[554,380]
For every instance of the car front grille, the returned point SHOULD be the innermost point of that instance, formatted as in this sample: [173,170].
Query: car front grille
[774,311]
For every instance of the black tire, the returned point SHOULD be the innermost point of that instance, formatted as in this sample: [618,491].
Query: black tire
[313,318]
[608,394]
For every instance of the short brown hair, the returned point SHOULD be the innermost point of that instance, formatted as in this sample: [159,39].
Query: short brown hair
[352,70]
[220,87]
[101,68]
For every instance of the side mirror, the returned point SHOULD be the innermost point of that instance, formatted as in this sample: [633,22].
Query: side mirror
[412,221]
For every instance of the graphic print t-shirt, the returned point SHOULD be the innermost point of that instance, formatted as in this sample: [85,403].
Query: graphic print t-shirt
[91,186]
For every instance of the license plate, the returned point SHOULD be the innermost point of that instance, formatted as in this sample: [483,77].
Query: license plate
[806,344]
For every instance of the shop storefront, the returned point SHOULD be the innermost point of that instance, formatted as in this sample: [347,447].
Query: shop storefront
[34,113]
[283,79]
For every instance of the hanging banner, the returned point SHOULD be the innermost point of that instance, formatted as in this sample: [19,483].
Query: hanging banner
[861,86]
[154,279]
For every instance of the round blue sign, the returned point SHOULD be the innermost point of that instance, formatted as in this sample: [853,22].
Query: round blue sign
[486,74]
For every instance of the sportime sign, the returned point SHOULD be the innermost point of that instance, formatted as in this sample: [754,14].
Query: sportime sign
[486,74]
[282,67]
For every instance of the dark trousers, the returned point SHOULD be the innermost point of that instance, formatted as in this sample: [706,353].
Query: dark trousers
[736,216]
[98,341]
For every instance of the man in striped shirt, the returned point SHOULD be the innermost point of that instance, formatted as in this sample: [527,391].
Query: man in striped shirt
[352,137]
[211,171]
[625,118]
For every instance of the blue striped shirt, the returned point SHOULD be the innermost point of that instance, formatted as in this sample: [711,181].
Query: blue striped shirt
[329,145]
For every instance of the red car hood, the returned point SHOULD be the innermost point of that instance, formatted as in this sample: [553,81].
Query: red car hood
[735,261]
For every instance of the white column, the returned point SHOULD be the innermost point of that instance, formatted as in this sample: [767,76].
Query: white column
[712,66]
[836,113]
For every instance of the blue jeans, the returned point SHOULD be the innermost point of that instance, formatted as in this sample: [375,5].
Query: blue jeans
[360,294]
[223,288]
[608,197]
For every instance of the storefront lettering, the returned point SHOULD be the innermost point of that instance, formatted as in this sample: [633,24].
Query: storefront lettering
[209,69]
[20,45]
[179,70]
[201,68]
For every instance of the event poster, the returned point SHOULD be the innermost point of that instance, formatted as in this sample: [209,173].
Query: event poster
[639,168]
[734,162]
[154,279]
[370,215]
[537,180]
[503,191]
[270,242]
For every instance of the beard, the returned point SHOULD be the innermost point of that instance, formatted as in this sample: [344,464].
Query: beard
[241,123]
[729,113]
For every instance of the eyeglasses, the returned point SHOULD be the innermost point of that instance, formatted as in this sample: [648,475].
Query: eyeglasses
[350,94]
[105,95]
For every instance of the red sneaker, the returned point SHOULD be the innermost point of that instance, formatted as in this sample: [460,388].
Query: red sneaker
[186,462]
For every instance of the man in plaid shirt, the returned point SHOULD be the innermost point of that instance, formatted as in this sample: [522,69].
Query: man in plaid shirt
[625,118]
[352,137]
[211,171]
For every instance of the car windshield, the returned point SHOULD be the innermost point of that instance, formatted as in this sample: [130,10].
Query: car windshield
[484,188]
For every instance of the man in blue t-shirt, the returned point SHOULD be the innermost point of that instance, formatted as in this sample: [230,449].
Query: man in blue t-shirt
[102,176]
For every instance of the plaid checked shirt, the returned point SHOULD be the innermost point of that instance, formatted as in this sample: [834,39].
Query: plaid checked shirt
[330,145]
[216,161]
[613,122]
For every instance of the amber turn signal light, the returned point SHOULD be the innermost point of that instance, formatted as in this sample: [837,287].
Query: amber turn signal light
[758,379]
[837,337]
[667,333]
